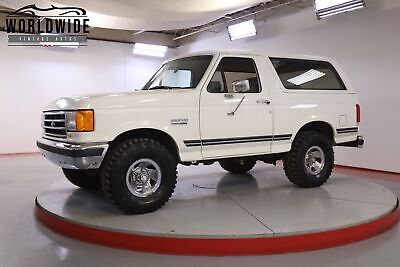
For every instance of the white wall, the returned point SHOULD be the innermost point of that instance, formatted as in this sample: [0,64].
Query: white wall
[366,44]
[33,76]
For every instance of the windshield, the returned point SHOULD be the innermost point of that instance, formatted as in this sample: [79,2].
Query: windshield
[181,73]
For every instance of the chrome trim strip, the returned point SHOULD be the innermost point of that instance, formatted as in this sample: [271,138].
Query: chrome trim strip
[55,120]
[347,130]
[55,135]
[55,128]
[54,112]
[236,140]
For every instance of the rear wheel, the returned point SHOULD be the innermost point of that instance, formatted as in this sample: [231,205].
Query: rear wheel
[237,165]
[85,179]
[310,162]
[139,176]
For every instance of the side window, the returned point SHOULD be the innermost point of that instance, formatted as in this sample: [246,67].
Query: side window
[234,69]
[302,74]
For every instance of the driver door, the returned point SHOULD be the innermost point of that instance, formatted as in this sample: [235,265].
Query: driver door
[235,112]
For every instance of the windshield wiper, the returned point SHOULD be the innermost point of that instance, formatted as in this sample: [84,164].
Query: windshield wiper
[160,87]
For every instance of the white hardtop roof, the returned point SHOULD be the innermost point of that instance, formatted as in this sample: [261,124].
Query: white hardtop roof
[275,55]
[253,53]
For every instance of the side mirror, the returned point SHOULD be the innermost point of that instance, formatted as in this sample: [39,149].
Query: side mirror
[241,86]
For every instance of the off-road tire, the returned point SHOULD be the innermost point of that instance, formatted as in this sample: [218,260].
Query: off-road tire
[237,165]
[294,165]
[116,165]
[85,179]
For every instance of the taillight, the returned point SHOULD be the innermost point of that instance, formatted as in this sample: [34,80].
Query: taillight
[358,113]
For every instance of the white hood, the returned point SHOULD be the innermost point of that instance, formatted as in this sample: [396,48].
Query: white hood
[140,99]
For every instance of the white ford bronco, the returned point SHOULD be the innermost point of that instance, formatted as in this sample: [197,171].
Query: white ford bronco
[229,107]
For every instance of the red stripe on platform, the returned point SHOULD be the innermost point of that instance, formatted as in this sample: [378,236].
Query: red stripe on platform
[368,173]
[9,155]
[218,247]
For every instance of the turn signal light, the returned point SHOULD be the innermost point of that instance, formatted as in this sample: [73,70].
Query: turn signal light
[358,113]
[85,121]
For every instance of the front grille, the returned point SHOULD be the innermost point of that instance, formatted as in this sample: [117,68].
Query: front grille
[54,124]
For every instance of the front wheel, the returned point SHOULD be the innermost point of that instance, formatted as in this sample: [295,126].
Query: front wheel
[310,162]
[139,176]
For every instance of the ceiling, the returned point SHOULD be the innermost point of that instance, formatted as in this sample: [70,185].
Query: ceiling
[153,15]
[164,21]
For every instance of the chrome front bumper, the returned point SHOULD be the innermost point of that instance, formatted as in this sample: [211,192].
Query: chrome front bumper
[73,156]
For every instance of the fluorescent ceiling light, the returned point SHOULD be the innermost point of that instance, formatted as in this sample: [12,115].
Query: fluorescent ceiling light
[242,30]
[326,8]
[150,50]
[306,77]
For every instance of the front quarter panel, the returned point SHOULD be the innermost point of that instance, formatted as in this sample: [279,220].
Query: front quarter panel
[174,112]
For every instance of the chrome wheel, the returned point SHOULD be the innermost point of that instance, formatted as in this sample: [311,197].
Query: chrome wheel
[314,160]
[143,177]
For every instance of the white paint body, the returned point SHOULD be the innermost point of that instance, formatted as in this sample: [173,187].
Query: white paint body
[207,117]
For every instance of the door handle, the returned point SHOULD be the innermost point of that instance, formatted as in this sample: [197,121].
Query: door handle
[263,101]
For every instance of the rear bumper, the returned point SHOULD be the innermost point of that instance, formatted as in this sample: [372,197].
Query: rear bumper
[73,156]
[359,142]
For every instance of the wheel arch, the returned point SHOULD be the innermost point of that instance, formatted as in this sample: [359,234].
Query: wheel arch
[319,126]
[155,134]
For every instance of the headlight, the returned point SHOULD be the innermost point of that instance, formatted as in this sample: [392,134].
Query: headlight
[79,121]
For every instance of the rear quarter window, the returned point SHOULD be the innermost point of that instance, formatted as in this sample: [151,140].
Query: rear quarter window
[301,74]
